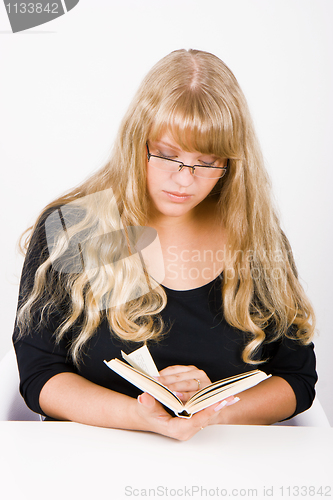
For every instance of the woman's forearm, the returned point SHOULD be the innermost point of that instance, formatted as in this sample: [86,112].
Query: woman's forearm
[68,396]
[268,402]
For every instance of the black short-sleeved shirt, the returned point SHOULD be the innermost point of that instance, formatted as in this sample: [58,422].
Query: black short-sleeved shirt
[196,334]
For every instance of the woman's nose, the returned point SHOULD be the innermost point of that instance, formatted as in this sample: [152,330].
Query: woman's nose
[184,176]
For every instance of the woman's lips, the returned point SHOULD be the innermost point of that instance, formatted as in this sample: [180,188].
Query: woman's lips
[175,196]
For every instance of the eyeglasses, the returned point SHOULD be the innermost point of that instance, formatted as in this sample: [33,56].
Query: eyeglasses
[169,165]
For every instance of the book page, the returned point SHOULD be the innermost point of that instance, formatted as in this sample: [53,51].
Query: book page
[141,360]
[216,387]
[147,384]
[225,391]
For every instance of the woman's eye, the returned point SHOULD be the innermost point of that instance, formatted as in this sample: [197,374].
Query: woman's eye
[166,154]
[208,163]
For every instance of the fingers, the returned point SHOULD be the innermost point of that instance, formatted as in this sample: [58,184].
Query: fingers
[184,381]
[171,370]
[184,429]
[147,400]
[184,384]
[150,415]
[156,419]
[184,378]
[211,415]
[231,400]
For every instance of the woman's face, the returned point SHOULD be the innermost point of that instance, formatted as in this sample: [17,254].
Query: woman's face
[176,194]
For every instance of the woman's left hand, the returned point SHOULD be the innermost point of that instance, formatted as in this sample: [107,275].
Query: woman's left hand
[184,380]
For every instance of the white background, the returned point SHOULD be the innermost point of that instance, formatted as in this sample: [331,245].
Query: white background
[65,86]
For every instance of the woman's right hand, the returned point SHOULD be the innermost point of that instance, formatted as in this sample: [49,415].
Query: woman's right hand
[156,419]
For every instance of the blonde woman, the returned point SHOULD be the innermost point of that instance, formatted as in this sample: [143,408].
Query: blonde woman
[187,165]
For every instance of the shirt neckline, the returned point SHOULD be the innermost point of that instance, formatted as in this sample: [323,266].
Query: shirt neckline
[201,290]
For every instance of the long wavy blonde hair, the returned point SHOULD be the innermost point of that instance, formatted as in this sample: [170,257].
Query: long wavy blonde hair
[196,98]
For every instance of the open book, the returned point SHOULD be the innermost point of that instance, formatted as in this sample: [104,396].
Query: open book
[143,370]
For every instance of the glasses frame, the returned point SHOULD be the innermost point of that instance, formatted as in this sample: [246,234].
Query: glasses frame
[192,167]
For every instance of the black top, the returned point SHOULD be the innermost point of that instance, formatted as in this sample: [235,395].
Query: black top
[197,334]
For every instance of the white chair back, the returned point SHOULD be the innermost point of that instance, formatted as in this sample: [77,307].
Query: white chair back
[12,405]
[313,417]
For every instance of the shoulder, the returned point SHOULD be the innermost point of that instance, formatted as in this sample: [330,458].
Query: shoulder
[53,223]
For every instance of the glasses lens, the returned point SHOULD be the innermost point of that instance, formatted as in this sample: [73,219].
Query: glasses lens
[165,164]
[174,166]
[209,172]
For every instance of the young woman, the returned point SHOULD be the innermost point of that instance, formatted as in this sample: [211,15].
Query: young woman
[186,163]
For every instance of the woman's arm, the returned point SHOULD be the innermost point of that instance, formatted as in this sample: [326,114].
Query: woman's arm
[268,402]
[68,396]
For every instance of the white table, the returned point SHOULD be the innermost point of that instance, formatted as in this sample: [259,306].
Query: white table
[64,460]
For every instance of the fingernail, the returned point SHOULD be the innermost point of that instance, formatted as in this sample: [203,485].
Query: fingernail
[221,405]
[178,394]
[235,400]
[139,399]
